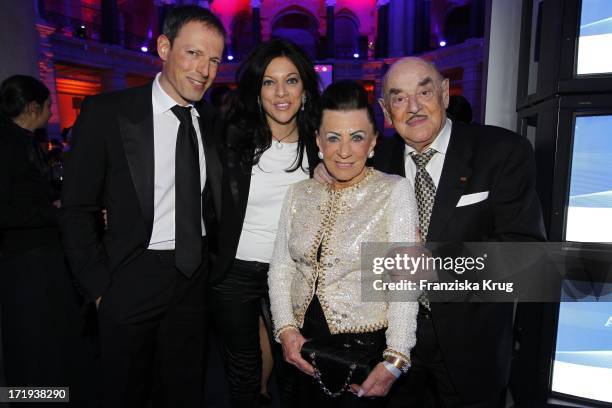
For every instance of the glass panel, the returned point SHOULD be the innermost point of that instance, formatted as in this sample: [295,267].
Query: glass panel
[589,214]
[583,354]
[595,41]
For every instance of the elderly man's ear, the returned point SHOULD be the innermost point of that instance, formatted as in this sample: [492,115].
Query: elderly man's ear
[383,106]
[445,92]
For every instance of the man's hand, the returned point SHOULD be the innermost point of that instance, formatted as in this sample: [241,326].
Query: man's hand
[57,203]
[292,341]
[98,302]
[322,175]
[377,384]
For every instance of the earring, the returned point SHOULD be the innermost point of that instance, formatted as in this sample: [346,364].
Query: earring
[320,154]
[259,104]
[303,102]
[371,154]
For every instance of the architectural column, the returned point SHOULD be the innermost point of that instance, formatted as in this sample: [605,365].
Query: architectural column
[401,27]
[426,39]
[255,7]
[110,21]
[422,31]
[331,32]
[39,9]
[163,6]
[382,29]
[476,19]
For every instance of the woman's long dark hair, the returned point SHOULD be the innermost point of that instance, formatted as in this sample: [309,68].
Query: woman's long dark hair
[249,117]
[17,91]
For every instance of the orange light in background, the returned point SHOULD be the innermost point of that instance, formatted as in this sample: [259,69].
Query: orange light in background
[70,93]
[456,90]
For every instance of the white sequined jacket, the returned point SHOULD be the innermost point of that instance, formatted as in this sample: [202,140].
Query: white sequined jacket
[380,208]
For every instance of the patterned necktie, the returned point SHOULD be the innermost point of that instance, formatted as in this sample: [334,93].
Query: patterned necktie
[188,195]
[425,190]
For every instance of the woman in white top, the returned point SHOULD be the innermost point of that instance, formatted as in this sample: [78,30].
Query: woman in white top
[269,145]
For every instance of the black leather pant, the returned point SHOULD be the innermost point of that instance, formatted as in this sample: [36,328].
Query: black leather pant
[236,307]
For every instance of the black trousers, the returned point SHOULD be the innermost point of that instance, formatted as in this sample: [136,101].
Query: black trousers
[152,327]
[237,304]
[41,325]
[428,384]
[308,392]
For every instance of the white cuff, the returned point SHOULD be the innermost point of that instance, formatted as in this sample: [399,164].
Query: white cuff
[392,369]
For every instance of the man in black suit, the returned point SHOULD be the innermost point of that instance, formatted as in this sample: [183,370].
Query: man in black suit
[146,155]
[473,183]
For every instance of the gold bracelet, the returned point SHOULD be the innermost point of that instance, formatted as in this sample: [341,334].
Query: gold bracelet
[391,352]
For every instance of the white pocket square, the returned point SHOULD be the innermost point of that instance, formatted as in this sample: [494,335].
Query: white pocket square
[474,198]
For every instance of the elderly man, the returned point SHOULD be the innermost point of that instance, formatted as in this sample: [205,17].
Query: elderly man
[146,155]
[473,183]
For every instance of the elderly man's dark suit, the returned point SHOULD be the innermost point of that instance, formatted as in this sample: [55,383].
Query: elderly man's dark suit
[112,167]
[475,339]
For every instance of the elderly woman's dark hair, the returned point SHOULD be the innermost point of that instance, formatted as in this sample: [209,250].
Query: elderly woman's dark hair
[17,91]
[245,111]
[347,95]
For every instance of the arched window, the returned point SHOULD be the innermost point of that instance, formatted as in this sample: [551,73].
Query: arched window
[299,26]
[346,36]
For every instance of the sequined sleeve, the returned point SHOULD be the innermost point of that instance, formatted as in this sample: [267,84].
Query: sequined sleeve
[282,269]
[403,221]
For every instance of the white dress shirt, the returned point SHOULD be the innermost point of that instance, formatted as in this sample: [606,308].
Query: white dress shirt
[434,166]
[165,128]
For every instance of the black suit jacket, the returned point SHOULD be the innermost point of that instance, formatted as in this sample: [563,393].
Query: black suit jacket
[112,166]
[235,193]
[476,338]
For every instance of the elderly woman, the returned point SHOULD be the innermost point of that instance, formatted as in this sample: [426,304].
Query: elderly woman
[315,273]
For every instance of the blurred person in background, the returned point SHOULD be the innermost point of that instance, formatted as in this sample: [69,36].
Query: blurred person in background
[40,311]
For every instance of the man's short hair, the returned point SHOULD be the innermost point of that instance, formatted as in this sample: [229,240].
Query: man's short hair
[179,16]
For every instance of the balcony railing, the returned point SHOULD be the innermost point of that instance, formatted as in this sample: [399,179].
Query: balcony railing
[93,30]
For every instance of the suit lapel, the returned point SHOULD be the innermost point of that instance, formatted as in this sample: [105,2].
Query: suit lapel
[207,122]
[456,173]
[136,129]
[237,179]
[389,155]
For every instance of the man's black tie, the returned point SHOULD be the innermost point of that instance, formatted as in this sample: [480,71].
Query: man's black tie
[188,195]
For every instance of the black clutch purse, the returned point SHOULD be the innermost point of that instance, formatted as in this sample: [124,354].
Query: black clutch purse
[343,359]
